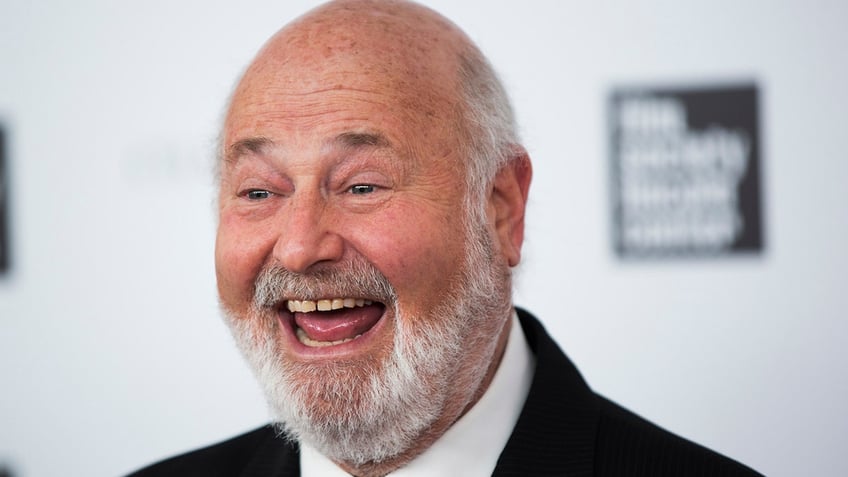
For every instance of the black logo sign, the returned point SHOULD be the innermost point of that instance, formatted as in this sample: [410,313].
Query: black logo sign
[685,165]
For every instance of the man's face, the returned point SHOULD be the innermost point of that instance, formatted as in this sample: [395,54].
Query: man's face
[345,259]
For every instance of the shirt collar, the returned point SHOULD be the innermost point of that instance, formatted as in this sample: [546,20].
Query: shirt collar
[472,446]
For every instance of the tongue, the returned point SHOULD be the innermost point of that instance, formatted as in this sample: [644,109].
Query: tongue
[338,324]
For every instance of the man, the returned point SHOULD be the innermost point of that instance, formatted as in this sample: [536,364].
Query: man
[371,207]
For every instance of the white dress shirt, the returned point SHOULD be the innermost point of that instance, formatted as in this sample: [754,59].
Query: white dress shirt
[471,446]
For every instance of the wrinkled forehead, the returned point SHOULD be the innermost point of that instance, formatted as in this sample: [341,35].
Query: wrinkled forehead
[408,55]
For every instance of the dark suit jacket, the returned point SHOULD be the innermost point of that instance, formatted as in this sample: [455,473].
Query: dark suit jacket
[565,429]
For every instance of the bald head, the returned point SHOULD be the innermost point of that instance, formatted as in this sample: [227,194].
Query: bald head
[396,48]
[381,37]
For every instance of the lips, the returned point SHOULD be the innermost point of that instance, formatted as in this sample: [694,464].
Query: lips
[333,321]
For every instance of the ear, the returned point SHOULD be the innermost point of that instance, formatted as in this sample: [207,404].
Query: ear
[507,203]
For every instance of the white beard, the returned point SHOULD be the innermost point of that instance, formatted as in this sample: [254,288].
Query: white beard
[368,410]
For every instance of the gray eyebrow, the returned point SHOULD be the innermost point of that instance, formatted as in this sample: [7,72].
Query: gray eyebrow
[242,147]
[260,145]
[354,140]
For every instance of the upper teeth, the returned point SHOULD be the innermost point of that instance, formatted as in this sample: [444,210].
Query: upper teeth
[306,306]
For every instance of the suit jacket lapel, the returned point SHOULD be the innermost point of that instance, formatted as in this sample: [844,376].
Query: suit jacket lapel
[555,433]
[275,457]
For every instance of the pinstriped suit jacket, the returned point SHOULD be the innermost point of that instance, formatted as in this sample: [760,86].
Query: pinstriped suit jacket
[565,429]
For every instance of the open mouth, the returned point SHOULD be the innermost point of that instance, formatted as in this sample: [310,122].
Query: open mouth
[333,321]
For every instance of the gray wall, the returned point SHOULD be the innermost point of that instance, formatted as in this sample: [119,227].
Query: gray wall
[113,352]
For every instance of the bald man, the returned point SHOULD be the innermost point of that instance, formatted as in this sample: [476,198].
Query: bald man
[371,208]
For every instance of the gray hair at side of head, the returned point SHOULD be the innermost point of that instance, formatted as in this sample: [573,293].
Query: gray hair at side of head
[492,139]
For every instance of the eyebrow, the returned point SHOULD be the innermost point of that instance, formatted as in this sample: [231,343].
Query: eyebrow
[348,140]
[355,140]
[251,145]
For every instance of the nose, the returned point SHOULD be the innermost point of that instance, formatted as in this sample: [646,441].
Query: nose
[307,234]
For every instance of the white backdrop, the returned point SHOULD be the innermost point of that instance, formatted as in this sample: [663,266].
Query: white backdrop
[113,352]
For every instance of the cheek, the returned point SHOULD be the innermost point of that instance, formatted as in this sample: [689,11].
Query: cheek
[239,256]
[417,253]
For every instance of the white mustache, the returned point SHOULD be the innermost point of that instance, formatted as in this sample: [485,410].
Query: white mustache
[276,284]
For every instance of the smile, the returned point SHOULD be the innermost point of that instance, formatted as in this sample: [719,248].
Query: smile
[308,306]
[333,321]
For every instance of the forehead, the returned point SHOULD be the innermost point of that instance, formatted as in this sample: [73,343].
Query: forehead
[346,141]
[313,123]
[323,75]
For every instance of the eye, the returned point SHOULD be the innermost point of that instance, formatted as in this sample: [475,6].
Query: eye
[257,194]
[360,189]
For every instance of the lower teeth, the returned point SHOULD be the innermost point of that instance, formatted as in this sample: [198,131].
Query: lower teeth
[303,338]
